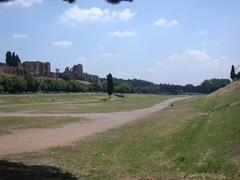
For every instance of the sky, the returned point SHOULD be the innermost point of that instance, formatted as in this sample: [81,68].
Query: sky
[163,41]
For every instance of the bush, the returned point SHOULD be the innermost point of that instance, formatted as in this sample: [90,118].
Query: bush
[123,88]
[13,83]
[32,84]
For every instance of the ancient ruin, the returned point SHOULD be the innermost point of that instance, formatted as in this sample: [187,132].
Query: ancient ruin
[37,69]
[40,69]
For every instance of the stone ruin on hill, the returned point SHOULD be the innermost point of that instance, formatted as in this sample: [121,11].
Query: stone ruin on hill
[43,70]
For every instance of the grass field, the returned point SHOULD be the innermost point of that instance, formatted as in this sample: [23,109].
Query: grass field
[64,103]
[180,142]
[9,124]
[75,102]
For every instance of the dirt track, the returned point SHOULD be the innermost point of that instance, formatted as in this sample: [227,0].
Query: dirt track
[28,140]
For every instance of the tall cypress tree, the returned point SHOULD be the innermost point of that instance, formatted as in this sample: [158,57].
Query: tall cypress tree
[13,59]
[17,60]
[233,74]
[8,57]
[110,85]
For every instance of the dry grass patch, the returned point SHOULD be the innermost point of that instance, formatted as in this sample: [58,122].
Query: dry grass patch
[9,124]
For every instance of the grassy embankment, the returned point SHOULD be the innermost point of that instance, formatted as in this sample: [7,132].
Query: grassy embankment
[183,141]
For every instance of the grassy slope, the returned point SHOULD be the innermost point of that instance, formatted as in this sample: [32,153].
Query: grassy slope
[183,141]
[75,103]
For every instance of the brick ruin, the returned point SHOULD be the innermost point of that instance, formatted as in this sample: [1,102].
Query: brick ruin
[37,69]
[43,70]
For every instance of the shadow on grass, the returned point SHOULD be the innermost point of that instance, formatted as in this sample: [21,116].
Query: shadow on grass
[20,171]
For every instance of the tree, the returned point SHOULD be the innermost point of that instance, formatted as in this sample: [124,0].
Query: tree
[233,74]
[67,70]
[57,72]
[13,59]
[17,60]
[123,88]
[211,85]
[13,83]
[117,1]
[110,85]
[66,76]
[71,1]
[8,57]
[32,83]
[238,76]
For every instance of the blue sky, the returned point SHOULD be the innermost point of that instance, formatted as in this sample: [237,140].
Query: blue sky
[168,41]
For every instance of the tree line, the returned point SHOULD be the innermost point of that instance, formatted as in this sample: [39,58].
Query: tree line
[21,84]
[145,87]
[24,84]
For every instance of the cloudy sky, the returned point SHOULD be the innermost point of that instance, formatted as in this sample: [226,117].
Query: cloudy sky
[164,41]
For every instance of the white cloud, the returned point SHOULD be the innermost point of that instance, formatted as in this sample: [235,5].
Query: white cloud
[20,36]
[196,55]
[63,43]
[165,23]
[23,3]
[125,15]
[122,33]
[191,54]
[190,66]
[75,15]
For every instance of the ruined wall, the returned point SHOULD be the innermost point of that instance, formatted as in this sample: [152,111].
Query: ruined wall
[34,68]
[76,71]
[6,69]
[43,69]
[91,78]
[37,68]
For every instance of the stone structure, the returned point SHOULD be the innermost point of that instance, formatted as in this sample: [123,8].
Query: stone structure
[76,71]
[91,78]
[5,69]
[37,69]
[43,70]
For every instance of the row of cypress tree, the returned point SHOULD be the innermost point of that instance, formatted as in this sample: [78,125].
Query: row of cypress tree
[12,59]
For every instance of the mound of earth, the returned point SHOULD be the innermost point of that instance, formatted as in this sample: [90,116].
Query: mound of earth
[233,87]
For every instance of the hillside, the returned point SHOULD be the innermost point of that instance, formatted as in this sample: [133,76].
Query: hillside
[233,87]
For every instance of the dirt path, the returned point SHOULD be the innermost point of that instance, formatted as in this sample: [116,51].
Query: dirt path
[27,140]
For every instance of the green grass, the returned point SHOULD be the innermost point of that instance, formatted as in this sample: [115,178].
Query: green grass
[179,142]
[75,102]
[9,124]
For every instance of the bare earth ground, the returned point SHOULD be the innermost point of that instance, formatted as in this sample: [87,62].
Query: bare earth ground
[27,140]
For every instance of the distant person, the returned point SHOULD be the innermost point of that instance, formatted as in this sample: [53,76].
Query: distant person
[53,99]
